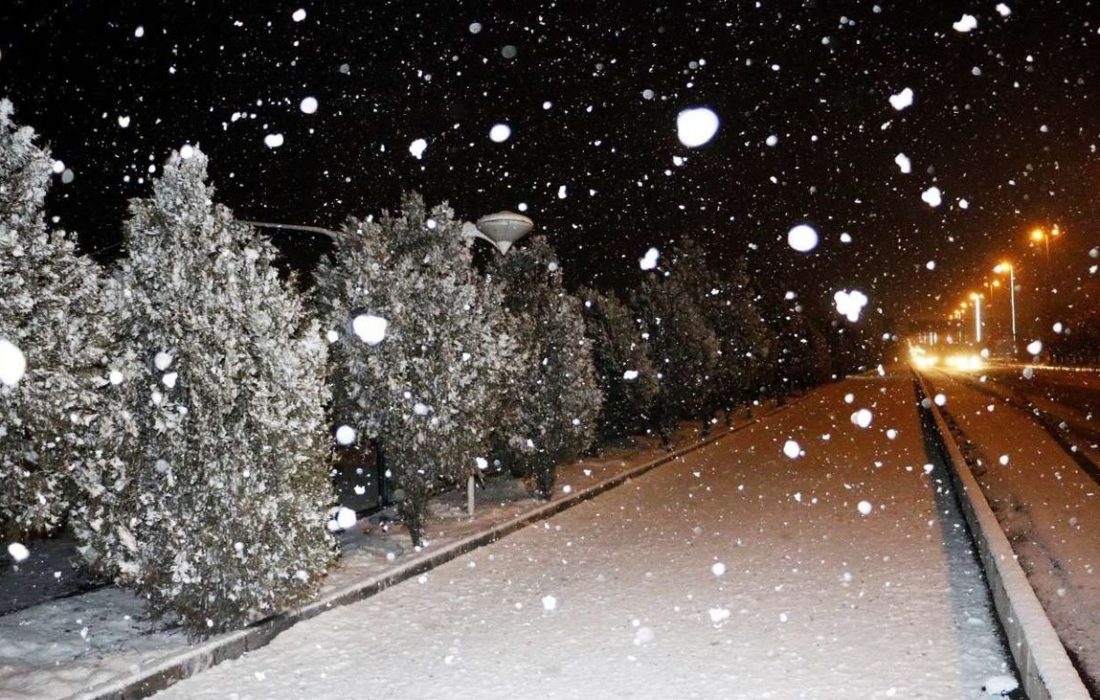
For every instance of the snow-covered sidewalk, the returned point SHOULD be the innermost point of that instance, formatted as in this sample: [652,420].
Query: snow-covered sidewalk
[104,638]
[736,571]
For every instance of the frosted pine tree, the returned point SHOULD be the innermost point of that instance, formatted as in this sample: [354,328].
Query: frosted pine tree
[725,296]
[627,375]
[682,343]
[559,398]
[423,352]
[801,353]
[49,325]
[213,505]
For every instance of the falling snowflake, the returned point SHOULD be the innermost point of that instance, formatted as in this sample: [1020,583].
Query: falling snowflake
[500,133]
[932,196]
[308,105]
[902,100]
[792,449]
[345,435]
[850,304]
[695,127]
[965,24]
[371,329]
[903,162]
[298,15]
[802,238]
[273,140]
[417,148]
[1035,347]
[649,260]
[345,518]
[13,364]
[163,360]
[864,507]
[862,418]
[18,552]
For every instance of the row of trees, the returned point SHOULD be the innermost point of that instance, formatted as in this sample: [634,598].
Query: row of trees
[178,410]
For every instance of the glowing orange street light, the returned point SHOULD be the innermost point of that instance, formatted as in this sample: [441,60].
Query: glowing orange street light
[977,299]
[1000,269]
[1041,235]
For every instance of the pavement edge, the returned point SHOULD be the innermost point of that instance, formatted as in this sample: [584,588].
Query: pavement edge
[1048,673]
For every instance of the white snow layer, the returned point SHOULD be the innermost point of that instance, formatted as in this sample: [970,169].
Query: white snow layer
[816,600]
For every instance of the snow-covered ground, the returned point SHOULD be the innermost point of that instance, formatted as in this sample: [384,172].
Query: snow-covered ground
[736,571]
[1048,507]
[62,647]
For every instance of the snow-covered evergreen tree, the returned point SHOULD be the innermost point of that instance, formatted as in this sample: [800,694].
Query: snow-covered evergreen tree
[213,504]
[801,351]
[423,352]
[559,398]
[627,375]
[725,296]
[49,320]
[682,343]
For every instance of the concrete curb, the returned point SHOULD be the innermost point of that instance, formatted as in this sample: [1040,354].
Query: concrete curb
[234,644]
[1043,662]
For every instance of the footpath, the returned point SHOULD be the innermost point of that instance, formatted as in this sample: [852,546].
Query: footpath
[102,644]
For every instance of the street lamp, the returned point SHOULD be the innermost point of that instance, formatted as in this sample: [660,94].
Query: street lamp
[977,299]
[1041,235]
[1000,269]
[501,229]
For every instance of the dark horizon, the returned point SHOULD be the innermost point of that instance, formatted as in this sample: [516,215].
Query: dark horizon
[1000,119]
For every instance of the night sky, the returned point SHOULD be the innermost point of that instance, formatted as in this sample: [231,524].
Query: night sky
[1005,116]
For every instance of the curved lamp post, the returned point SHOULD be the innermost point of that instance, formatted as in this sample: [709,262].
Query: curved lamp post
[502,230]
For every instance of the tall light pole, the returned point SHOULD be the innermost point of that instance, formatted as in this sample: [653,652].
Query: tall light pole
[1000,269]
[977,299]
[1041,235]
[502,230]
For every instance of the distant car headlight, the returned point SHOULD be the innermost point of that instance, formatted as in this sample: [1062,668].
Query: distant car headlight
[925,360]
[968,361]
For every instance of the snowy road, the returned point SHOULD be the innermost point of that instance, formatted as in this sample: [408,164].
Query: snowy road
[1047,504]
[735,572]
